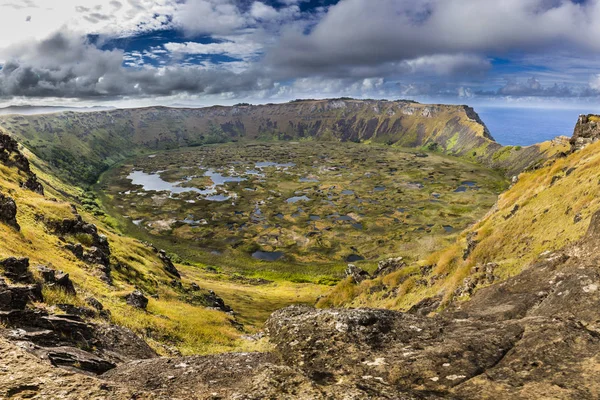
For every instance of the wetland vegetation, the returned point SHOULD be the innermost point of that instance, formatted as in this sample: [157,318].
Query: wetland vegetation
[297,211]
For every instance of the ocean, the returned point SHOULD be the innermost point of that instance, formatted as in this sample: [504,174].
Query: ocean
[526,126]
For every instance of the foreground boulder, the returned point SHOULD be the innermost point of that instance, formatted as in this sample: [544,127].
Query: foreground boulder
[16,269]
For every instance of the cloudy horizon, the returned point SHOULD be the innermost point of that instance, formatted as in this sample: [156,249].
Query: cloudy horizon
[202,52]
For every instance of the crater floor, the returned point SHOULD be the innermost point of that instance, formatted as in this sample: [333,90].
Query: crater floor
[298,207]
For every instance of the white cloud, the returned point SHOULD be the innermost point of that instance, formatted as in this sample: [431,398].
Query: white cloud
[209,16]
[595,82]
[262,11]
[113,18]
[243,49]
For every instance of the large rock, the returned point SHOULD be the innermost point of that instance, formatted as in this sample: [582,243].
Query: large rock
[137,300]
[57,279]
[16,269]
[587,131]
[8,211]
[98,254]
[12,157]
[408,351]
[214,301]
[168,264]
[17,297]
[390,265]
[33,184]
[356,274]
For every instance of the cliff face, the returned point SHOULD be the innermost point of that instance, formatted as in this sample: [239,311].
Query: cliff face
[87,143]
[587,131]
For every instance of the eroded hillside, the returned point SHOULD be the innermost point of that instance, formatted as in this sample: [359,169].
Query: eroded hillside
[70,260]
[543,211]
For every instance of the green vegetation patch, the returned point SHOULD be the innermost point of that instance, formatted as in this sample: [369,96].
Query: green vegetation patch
[297,211]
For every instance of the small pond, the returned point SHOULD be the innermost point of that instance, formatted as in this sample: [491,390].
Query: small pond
[267,255]
[354,258]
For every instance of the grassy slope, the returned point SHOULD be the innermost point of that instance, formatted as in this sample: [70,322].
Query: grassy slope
[170,320]
[555,203]
[82,145]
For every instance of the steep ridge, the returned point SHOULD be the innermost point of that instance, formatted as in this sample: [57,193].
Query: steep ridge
[82,145]
[544,210]
[73,289]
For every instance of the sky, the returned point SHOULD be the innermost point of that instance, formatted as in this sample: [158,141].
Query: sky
[202,52]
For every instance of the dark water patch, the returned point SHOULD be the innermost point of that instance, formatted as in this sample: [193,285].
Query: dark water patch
[448,228]
[379,188]
[348,192]
[315,218]
[469,183]
[354,258]
[357,226]
[461,189]
[268,255]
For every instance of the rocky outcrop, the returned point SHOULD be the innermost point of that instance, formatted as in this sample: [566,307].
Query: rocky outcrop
[8,211]
[356,274]
[587,131]
[96,252]
[32,377]
[57,279]
[390,265]
[168,264]
[214,301]
[65,340]
[16,269]
[16,297]
[137,299]
[11,156]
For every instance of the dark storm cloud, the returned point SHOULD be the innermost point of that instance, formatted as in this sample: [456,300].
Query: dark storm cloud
[67,66]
